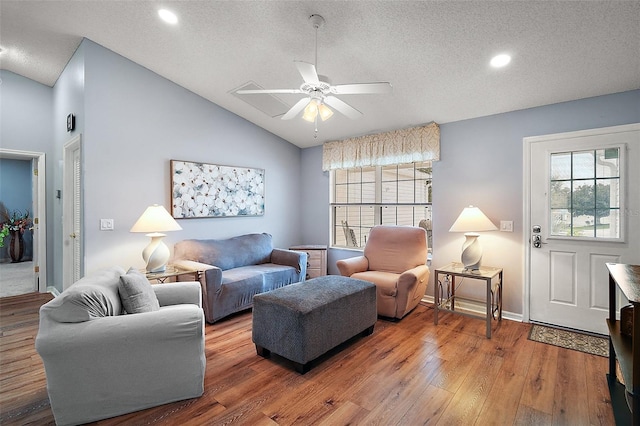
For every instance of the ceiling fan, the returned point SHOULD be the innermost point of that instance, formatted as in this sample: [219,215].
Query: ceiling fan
[319,90]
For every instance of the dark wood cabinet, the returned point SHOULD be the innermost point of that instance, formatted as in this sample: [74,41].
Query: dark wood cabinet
[624,349]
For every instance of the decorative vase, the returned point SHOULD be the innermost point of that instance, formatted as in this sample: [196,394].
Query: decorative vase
[16,246]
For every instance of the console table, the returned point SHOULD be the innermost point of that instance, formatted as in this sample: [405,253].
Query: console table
[486,274]
[626,349]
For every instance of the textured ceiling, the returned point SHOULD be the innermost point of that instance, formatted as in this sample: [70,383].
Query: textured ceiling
[435,53]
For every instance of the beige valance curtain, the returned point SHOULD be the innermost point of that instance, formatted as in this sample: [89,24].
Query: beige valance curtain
[413,145]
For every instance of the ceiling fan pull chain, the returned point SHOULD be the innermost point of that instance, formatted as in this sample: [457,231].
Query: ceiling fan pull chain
[315,135]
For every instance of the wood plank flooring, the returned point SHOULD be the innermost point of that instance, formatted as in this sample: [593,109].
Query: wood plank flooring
[406,373]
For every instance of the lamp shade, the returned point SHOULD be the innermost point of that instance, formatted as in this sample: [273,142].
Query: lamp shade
[472,220]
[155,219]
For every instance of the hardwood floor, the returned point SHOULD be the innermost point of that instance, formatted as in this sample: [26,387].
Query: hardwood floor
[406,373]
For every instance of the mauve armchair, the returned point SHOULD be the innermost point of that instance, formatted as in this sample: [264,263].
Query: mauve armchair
[394,259]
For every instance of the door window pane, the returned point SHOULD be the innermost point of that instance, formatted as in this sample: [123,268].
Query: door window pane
[560,222]
[607,162]
[608,225]
[560,195]
[561,166]
[583,165]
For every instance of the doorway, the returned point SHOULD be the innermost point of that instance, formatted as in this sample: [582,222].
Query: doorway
[582,204]
[34,272]
[72,248]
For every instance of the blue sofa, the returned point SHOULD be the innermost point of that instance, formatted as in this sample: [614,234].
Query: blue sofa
[231,271]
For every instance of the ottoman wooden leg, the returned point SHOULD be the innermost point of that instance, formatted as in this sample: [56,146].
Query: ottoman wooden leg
[264,353]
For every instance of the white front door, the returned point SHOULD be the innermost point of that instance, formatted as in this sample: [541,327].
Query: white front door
[583,211]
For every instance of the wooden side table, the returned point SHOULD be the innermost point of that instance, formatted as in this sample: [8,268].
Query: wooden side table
[170,272]
[316,259]
[493,297]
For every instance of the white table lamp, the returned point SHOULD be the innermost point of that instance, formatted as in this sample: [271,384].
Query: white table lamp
[471,221]
[155,220]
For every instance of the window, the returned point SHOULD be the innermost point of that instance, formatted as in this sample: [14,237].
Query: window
[585,194]
[379,195]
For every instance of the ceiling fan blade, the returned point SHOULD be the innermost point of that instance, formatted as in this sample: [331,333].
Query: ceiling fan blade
[307,71]
[299,106]
[361,88]
[258,91]
[342,107]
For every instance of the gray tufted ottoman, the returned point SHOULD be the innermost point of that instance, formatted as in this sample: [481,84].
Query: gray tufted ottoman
[302,321]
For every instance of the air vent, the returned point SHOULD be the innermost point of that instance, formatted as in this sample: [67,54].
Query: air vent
[267,103]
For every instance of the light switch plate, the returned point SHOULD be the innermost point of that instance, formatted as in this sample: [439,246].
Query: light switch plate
[106,224]
[506,225]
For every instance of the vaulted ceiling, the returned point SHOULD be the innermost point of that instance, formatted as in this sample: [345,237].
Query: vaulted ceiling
[435,53]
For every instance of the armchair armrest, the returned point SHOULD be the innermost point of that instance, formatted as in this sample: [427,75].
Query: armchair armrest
[295,259]
[178,293]
[210,278]
[410,282]
[350,266]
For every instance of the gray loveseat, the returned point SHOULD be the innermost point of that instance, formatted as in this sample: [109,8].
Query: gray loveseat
[233,270]
[101,362]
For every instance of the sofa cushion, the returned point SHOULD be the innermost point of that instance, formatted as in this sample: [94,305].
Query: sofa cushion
[93,296]
[136,293]
[276,276]
[250,249]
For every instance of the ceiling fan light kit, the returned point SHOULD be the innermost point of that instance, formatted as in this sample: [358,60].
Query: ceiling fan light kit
[319,91]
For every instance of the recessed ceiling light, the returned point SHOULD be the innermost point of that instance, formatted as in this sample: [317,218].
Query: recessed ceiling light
[500,60]
[168,16]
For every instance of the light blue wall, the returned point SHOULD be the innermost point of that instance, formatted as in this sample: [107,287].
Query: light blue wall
[15,194]
[135,122]
[481,164]
[26,123]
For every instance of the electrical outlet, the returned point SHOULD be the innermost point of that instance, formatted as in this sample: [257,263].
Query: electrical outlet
[506,225]
[106,224]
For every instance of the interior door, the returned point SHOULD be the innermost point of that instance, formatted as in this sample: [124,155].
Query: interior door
[584,211]
[72,213]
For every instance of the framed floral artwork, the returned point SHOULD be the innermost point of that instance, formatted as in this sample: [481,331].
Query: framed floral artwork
[212,190]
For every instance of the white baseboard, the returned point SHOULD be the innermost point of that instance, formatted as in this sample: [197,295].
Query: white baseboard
[476,310]
[53,290]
